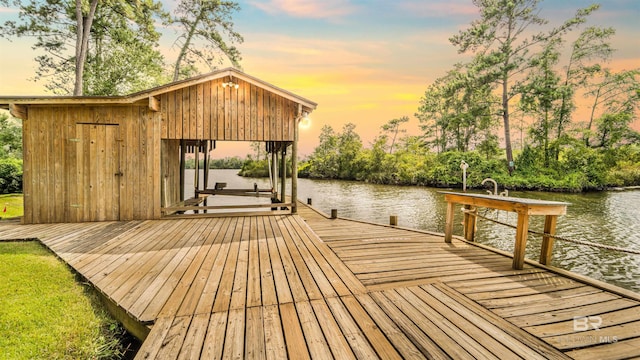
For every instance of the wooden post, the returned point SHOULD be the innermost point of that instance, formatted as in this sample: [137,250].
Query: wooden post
[294,162]
[182,169]
[206,165]
[393,220]
[334,213]
[469,224]
[274,171]
[196,178]
[283,171]
[521,240]
[546,251]
[206,169]
[448,227]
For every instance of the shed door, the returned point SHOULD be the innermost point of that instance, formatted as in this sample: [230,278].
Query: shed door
[98,167]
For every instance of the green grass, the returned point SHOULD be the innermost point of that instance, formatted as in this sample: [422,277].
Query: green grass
[13,203]
[45,313]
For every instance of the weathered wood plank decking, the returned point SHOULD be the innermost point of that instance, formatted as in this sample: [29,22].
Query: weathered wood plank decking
[304,286]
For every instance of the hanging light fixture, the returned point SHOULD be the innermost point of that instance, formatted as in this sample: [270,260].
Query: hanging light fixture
[230,83]
[305,121]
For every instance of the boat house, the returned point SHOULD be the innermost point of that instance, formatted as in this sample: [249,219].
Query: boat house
[123,158]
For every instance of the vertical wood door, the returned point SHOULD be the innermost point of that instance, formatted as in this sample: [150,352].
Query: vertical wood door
[98,172]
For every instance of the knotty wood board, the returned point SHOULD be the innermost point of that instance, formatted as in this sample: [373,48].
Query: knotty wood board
[60,163]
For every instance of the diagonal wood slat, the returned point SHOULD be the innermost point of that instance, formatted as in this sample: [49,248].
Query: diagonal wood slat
[305,286]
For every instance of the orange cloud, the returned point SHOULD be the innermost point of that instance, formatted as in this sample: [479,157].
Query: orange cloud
[316,9]
[305,52]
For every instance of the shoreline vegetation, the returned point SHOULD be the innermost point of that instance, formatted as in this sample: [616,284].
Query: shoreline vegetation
[578,169]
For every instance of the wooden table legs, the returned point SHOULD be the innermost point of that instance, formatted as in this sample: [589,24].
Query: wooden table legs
[550,222]
[470,223]
[522,230]
[448,227]
[546,250]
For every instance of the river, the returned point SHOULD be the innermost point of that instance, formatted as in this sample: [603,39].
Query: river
[610,218]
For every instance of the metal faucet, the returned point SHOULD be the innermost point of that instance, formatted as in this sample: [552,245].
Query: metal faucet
[495,186]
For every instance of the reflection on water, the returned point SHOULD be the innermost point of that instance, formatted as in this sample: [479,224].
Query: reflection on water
[610,218]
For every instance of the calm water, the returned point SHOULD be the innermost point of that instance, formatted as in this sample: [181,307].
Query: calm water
[610,218]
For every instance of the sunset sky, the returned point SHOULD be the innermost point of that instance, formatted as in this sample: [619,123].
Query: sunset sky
[364,62]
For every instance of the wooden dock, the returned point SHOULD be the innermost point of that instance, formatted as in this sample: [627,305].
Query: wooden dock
[305,286]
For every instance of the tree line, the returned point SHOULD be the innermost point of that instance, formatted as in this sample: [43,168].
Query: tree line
[111,47]
[229,162]
[521,70]
[342,155]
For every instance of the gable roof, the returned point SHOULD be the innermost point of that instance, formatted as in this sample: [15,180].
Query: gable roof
[144,96]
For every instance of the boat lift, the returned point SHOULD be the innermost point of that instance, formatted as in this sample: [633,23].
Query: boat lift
[277,153]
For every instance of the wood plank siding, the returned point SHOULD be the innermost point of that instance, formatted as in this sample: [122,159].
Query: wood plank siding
[91,163]
[211,112]
[118,158]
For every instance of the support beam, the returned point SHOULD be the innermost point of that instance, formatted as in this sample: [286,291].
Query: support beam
[206,164]
[18,111]
[283,171]
[183,149]
[274,171]
[206,168]
[196,177]
[154,104]
[294,162]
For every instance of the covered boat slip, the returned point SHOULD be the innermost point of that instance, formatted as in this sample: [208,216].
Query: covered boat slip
[306,286]
[202,200]
[123,158]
